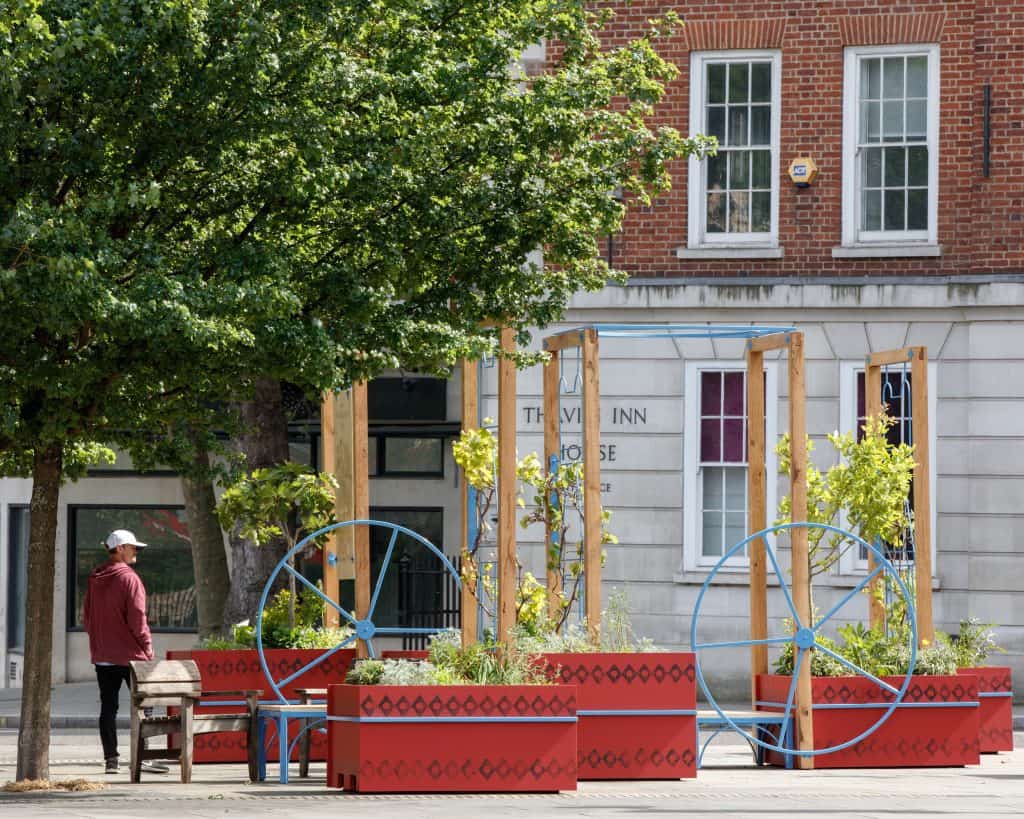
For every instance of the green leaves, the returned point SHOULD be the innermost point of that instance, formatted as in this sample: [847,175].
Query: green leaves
[870,484]
[288,500]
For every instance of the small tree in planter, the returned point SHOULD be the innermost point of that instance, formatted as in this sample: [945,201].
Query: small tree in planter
[870,487]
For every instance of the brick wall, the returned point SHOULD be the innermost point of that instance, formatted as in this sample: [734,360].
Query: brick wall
[980,225]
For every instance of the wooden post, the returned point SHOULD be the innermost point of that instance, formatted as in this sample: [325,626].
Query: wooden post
[798,537]
[873,409]
[468,599]
[507,563]
[592,484]
[330,551]
[922,497]
[552,450]
[756,515]
[361,504]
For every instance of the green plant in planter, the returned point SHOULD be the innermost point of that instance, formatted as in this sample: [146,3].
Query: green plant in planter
[869,484]
[286,624]
[616,633]
[973,645]
[558,496]
[448,663]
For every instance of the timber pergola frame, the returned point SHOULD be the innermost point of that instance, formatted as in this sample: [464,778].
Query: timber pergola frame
[874,365]
[586,338]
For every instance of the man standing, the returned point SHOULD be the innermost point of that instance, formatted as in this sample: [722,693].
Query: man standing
[115,618]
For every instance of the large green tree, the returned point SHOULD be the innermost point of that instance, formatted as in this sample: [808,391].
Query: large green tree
[197,195]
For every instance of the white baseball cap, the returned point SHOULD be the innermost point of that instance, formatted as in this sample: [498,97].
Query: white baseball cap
[122,537]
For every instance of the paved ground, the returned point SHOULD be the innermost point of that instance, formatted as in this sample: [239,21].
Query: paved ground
[729,786]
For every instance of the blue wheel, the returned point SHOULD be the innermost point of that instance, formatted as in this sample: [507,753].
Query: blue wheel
[364,629]
[805,638]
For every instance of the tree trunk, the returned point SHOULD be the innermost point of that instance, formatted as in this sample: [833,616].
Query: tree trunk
[209,557]
[264,442]
[34,732]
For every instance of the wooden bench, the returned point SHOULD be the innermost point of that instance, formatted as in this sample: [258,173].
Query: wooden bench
[177,683]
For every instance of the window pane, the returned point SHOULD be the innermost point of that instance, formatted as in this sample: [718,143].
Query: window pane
[710,393]
[917,164]
[17,576]
[860,395]
[711,536]
[733,437]
[761,212]
[871,79]
[711,440]
[894,210]
[738,125]
[895,170]
[716,213]
[716,83]
[736,489]
[892,78]
[739,82]
[917,210]
[917,119]
[872,210]
[873,167]
[761,125]
[761,169]
[418,455]
[739,212]
[714,497]
[735,530]
[761,82]
[734,393]
[917,76]
[892,121]
[739,169]
[870,119]
[717,167]
[165,567]
[372,454]
[716,123]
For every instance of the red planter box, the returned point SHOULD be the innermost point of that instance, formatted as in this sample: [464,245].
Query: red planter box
[935,725]
[995,693]
[637,713]
[452,738]
[241,669]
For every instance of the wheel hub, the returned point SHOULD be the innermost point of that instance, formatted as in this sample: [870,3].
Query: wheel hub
[804,639]
[365,629]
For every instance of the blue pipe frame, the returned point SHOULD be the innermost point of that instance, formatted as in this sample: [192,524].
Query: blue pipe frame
[805,638]
[364,629]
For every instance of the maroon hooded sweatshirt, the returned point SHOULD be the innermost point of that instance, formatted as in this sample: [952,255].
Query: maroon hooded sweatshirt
[115,615]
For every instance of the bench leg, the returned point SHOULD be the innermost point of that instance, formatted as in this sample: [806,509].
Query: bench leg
[282,744]
[261,750]
[304,742]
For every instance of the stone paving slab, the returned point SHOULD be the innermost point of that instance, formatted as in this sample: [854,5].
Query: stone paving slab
[728,786]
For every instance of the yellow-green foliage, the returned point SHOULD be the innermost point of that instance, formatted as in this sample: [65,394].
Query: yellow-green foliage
[870,484]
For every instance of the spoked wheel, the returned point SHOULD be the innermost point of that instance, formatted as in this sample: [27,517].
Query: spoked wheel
[805,637]
[364,629]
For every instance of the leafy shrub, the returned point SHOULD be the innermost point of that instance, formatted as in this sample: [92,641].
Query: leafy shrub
[307,631]
[939,658]
[365,672]
[973,645]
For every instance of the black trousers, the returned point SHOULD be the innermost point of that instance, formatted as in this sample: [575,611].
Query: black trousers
[110,678]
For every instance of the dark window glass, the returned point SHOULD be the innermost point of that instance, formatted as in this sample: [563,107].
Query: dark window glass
[17,576]
[165,566]
[414,456]
[407,399]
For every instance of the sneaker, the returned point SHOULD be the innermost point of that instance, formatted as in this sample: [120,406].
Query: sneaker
[150,766]
[112,766]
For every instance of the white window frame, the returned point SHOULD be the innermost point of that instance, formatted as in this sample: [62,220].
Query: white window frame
[853,236]
[850,563]
[693,557]
[698,237]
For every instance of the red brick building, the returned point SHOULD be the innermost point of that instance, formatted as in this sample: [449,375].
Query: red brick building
[852,85]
